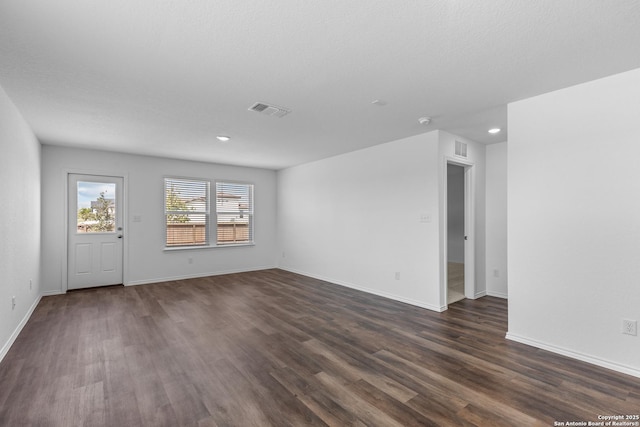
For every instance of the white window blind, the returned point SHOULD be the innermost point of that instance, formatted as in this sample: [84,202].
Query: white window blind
[234,213]
[186,208]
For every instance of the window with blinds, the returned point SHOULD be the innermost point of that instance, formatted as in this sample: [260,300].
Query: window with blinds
[234,213]
[186,209]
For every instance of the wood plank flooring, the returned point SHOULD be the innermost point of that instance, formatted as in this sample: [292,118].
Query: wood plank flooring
[272,348]
[455,282]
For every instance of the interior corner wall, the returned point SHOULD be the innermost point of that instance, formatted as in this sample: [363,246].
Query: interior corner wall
[19,222]
[146,261]
[573,224]
[476,158]
[496,213]
[368,219]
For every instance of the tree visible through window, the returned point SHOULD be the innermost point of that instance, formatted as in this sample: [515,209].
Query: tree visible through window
[187,208]
[96,215]
[186,212]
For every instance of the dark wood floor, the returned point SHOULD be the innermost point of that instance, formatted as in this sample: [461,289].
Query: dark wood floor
[275,348]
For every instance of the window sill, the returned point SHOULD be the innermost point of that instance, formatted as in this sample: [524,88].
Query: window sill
[191,248]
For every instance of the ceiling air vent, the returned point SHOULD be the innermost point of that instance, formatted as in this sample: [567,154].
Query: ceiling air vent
[269,109]
[461,149]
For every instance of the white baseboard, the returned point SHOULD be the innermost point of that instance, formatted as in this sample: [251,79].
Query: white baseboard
[16,332]
[497,294]
[369,290]
[480,294]
[195,276]
[50,293]
[575,355]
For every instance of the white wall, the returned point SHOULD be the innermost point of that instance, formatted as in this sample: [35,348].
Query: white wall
[145,259]
[19,222]
[574,220]
[354,219]
[496,214]
[357,219]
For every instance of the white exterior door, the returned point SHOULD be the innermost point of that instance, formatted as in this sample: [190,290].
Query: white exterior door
[95,231]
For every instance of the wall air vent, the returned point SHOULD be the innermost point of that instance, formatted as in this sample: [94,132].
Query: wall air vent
[461,149]
[269,109]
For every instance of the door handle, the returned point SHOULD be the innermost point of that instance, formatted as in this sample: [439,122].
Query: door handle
[466,237]
[119,236]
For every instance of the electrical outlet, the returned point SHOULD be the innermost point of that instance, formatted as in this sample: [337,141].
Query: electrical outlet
[30,284]
[190,260]
[397,275]
[496,272]
[13,303]
[630,327]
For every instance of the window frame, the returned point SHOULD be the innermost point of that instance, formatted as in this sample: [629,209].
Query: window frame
[206,212]
[211,222]
[250,213]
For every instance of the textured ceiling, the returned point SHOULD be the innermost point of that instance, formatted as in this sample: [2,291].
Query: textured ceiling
[164,77]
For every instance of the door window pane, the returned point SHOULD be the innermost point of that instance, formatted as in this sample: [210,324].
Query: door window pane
[96,207]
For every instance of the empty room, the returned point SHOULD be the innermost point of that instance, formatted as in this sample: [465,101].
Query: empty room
[284,213]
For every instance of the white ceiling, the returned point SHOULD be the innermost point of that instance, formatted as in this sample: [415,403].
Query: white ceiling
[164,77]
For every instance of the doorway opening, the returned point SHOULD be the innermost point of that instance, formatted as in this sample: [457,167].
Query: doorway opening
[455,233]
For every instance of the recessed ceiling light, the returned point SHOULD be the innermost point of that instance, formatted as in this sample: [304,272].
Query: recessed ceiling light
[494,130]
[379,102]
[223,138]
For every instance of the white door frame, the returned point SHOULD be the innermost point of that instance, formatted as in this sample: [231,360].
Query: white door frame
[469,230]
[64,267]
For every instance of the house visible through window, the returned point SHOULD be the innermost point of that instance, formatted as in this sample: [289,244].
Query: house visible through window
[234,213]
[187,207]
[186,211]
